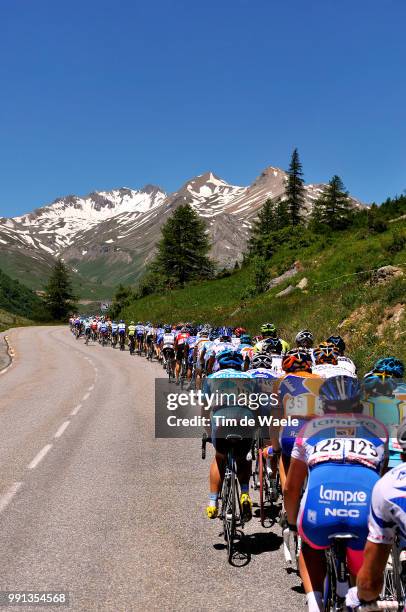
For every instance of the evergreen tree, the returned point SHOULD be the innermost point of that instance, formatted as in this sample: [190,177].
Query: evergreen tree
[294,191]
[333,207]
[183,249]
[262,227]
[58,292]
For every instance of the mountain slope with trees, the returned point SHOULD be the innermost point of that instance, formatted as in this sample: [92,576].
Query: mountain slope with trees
[342,292]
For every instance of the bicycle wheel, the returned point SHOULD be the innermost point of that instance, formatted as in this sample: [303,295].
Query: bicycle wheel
[264,490]
[393,587]
[330,583]
[228,511]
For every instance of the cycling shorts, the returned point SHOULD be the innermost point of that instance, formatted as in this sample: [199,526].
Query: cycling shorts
[149,340]
[337,501]
[288,436]
[140,335]
[180,352]
[169,352]
[220,432]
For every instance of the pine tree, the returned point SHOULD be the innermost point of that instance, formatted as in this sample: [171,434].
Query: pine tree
[333,207]
[294,191]
[58,292]
[183,249]
[262,227]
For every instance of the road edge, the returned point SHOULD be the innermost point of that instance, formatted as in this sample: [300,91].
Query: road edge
[10,354]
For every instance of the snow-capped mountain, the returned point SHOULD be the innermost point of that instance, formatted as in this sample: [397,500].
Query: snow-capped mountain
[109,236]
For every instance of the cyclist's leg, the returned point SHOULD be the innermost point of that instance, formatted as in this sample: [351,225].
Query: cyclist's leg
[216,476]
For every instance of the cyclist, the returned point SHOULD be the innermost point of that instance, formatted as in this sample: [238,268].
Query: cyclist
[237,333]
[190,349]
[220,344]
[326,359]
[387,518]
[131,331]
[268,330]
[343,361]
[201,341]
[114,333]
[139,332]
[121,333]
[274,348]
[342,455]
[159,334]
[88,330]
[168,351]
[304,339]
[180,346]
[149,336]
[383,402]
[230,363]
[297,400]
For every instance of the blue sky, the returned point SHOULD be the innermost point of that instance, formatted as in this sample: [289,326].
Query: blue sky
[99,94]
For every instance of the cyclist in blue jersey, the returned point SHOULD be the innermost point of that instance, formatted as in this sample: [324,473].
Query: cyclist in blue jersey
[342,455]
[230,363]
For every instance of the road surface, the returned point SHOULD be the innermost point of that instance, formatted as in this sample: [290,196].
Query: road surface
[92,503]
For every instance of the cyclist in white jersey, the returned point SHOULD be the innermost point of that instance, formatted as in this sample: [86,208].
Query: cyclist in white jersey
[386,519]
[326,360]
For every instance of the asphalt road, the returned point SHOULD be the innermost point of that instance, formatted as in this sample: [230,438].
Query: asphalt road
[92,503]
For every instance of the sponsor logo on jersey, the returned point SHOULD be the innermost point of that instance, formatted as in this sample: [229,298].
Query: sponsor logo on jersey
[344,496]
[342,512]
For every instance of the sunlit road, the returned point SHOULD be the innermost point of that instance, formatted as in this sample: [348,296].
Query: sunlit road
[92,503]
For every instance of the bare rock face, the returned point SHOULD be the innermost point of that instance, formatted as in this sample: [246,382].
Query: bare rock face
[297,267]
[286,291]
[303,284]
[386,274]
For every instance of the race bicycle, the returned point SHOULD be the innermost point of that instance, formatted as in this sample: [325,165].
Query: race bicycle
[230,509]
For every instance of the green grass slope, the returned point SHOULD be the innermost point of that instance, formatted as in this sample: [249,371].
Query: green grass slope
[17,299]
[342,294]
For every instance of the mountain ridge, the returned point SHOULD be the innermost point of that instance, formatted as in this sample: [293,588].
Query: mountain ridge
[110,235]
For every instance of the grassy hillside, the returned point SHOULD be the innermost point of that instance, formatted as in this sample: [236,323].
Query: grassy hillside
[7,320]
[34,274]
[17,299]
[342,294]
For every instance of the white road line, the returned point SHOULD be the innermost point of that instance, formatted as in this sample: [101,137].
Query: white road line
[90,388]
[85,397]
[61,429]
[9,494]
[39,457]
[76,409]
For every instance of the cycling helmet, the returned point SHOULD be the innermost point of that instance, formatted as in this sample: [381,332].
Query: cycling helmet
[262,360]
[341,394]
[139,323]
[304,338]
[272,345]
[229,359]
[326,352]
[338,343]
[240,331]
[225,332]
[391,366]
[402,435]
[297,360]
[167,329]
[379,383]
[184,329]
[268,329]
[132,323]
[121,321]
[245,339]
[213,334]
